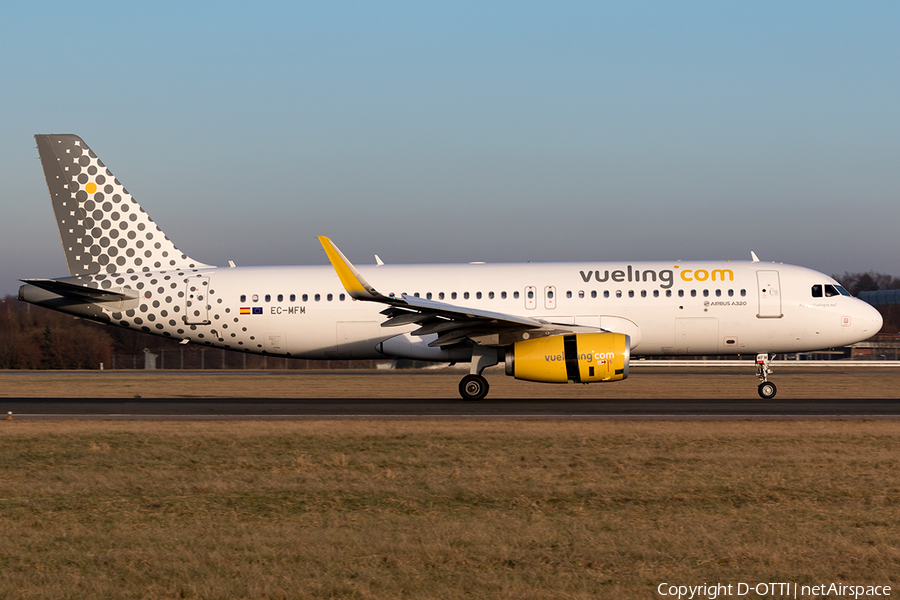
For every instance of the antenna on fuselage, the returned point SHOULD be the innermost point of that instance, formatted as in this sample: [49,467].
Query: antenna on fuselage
[753,256]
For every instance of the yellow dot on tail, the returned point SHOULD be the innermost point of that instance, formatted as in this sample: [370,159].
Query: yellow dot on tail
[91,187]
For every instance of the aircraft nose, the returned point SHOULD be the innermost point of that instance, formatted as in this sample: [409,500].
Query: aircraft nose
[869,319]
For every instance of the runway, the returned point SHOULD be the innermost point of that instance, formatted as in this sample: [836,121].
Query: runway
[357,408]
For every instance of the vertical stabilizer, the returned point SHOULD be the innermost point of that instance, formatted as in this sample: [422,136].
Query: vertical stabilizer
[103,229]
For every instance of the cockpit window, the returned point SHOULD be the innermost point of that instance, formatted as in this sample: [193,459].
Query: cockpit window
[828,290]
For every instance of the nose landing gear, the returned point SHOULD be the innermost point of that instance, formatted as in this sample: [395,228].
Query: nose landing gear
[766,388]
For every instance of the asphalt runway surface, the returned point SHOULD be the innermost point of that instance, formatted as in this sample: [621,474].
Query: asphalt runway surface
[357,408]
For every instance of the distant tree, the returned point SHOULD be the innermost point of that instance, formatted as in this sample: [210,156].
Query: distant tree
[870,281]
[37,338]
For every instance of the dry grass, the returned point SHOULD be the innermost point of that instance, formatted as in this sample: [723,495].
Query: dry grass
[812,382]
[385,509]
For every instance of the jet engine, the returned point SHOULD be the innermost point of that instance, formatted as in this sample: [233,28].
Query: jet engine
[576,358]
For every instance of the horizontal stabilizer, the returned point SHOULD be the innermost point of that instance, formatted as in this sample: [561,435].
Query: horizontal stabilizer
[81,292]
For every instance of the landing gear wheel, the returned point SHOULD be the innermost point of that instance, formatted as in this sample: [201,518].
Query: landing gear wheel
[767,390]
[473,387]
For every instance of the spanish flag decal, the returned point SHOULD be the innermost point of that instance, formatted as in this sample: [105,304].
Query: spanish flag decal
[245,310]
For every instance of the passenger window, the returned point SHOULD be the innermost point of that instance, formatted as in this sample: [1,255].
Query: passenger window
[330,297]
[530,294]
[268,297]
[416,294]
[718,293]
[668,293]
[466,295]
[730,293]
[440,295]
[593,293]
[281,297]
[643,293]
[817,290]
[293,297]
[243,297]
[453,296]
[317,297]
[656,293]
[428,296]
[550,294]
[568,294]
[516,295]
[631,293]
[618,293]
[491,295]
[503,295]
[606,293]
[256,297]
[478,295]
[705,293]
[681,293]
[305,297]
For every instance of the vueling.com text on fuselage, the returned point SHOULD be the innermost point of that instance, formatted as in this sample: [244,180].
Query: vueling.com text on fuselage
[666,277]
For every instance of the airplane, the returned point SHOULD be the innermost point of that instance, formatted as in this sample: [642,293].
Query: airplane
[580,322]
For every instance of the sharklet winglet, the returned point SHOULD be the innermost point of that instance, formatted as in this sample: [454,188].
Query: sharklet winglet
[350,277]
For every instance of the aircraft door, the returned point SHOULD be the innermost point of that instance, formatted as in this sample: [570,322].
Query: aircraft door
[696,335]
[550,297]
[196,301]
[769,287]
[530,297]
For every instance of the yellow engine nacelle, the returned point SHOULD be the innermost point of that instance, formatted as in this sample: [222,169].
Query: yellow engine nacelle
[576,358]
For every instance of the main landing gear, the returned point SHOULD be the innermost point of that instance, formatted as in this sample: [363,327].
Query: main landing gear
[474,386]
[766,388]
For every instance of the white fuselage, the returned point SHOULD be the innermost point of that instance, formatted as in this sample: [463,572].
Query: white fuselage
[667,308]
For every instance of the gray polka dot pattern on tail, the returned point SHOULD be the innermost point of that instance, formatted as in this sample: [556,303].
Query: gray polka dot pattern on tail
[111,243]
[103,229]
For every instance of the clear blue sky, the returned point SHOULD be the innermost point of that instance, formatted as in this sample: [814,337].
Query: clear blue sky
[455,132]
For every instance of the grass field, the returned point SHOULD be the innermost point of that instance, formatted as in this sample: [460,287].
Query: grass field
[386,509]
[644,382]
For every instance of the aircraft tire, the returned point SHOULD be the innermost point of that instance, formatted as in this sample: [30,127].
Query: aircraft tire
[473,387]
[767,390]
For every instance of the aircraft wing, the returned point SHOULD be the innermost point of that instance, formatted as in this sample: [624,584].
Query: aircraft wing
[80,292]
[453,324]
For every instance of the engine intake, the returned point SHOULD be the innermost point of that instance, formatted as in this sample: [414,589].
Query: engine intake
[575,358]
